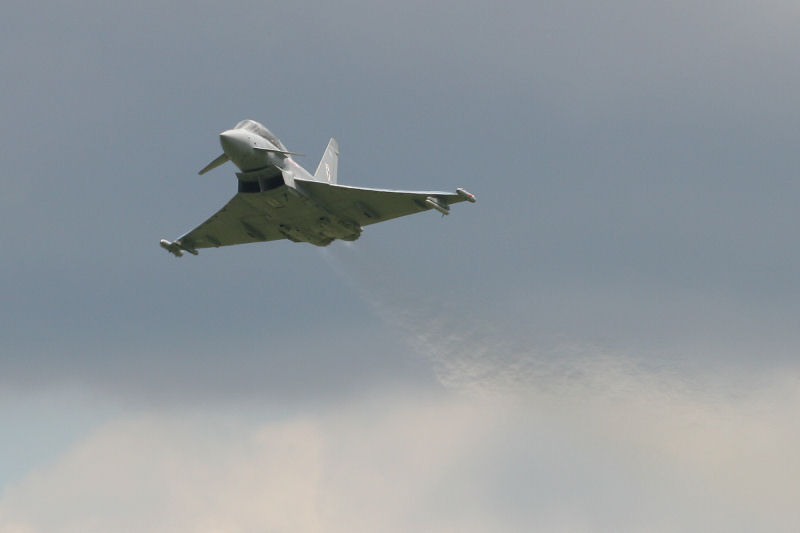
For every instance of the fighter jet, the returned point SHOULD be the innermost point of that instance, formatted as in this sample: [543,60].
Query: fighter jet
[279,199]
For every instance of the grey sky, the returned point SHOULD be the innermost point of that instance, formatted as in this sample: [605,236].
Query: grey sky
[636,170]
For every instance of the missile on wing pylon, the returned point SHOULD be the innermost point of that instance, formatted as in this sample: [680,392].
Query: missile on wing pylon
[436,204]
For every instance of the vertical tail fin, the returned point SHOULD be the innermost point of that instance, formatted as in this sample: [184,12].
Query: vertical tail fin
[329,164]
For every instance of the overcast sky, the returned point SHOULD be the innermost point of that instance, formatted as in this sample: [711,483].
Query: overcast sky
[607,341]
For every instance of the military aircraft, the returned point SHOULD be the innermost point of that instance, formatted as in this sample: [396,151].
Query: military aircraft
[279,199]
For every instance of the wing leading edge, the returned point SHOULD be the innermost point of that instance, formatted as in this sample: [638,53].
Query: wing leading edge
[369,206]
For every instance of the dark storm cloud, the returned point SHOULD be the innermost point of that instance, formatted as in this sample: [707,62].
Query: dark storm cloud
[634,165]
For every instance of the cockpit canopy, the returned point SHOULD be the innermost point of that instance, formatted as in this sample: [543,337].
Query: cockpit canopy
[260,130]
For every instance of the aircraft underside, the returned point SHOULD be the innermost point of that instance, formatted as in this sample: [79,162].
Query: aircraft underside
[280,209]
[281,200]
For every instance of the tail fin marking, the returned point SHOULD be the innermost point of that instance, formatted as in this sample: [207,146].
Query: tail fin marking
[329,164]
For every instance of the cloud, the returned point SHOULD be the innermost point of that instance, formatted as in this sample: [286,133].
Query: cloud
[168,472]
[643,194]
[606,450]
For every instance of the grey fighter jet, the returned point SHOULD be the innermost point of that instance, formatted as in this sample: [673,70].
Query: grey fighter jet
[279,199]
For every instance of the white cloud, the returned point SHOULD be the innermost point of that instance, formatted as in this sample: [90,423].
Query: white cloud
[609,451]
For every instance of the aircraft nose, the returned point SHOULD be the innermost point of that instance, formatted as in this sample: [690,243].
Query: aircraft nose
[234,142]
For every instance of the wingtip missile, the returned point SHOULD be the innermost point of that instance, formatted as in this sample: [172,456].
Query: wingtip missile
[468,196]
[176,248]
[171,247]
